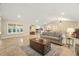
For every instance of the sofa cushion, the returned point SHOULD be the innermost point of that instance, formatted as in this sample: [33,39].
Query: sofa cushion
[54,34]
[50,37]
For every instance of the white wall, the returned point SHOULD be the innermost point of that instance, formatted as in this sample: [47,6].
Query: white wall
[62,27]
[38,14]
[43,13]
[4,29]
[0,28]
[0,22]
[0,25]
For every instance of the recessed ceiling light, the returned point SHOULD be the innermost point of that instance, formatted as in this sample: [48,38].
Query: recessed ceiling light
[18,16]
[37,21]
[52,19]
[62,13]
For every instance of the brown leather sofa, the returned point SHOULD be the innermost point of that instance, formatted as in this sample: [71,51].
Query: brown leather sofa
[55,37]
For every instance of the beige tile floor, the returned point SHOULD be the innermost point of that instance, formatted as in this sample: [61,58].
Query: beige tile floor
[10,47]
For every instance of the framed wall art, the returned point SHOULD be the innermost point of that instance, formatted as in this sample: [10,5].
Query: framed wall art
[15,28]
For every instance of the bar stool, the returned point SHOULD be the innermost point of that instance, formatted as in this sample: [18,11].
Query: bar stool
[70,42]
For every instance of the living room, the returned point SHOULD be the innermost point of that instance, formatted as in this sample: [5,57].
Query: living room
[38,29]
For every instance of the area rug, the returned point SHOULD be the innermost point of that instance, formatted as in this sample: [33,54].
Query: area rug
[55,51]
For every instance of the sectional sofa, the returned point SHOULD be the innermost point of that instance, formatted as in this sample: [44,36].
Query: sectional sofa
[54,37]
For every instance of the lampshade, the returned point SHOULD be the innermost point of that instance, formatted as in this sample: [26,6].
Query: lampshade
[33,28]
[37,27]
[48,27]
[70,31]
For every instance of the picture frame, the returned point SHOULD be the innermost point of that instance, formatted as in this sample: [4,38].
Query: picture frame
[15,28]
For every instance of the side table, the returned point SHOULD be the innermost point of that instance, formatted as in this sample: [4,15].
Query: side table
[70,42]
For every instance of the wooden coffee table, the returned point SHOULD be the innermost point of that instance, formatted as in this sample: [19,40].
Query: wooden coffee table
[42,46]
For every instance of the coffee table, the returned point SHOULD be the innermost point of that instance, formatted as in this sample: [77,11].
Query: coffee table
[42,46]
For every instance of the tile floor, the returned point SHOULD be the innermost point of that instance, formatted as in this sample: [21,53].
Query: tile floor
[11,47]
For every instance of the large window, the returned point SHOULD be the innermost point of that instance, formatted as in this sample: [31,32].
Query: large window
[15,28]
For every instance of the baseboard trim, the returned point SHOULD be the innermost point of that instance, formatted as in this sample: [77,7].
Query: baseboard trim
[6,37]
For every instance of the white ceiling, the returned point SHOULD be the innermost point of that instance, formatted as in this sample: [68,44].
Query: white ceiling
[39,12]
